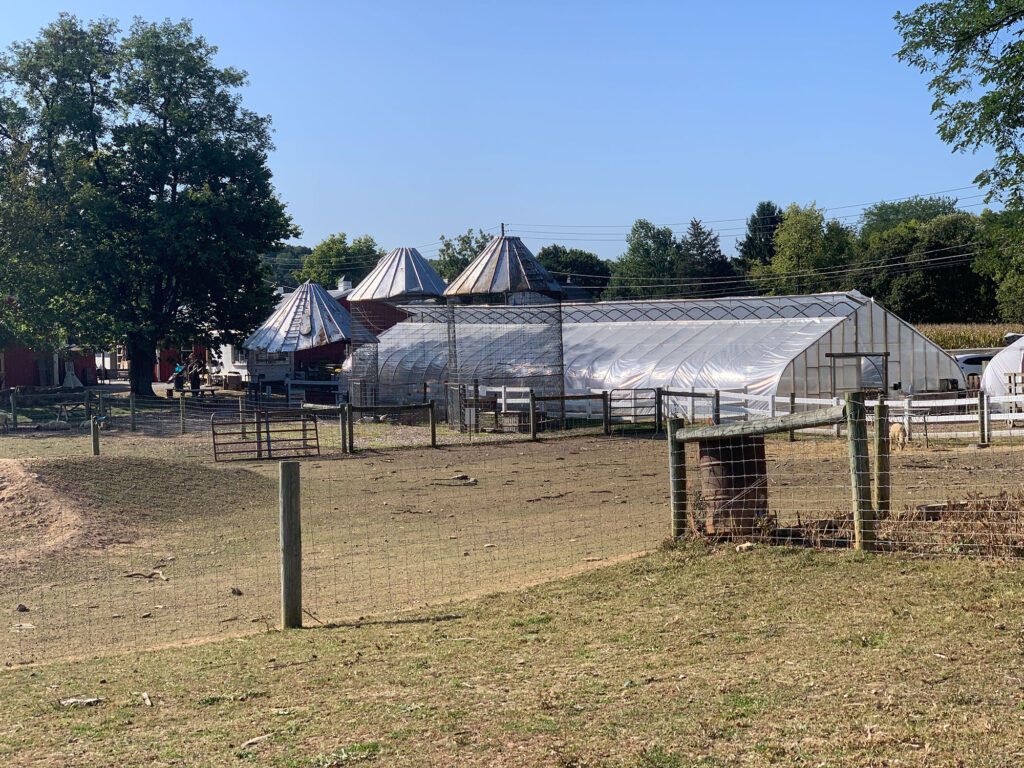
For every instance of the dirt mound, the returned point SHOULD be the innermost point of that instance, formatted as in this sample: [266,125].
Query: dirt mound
[36,520]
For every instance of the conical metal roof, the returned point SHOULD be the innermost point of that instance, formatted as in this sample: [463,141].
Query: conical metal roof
[307,317]
[402,274]
[504,266]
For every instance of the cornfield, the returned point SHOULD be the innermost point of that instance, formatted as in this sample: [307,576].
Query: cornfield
[968,335]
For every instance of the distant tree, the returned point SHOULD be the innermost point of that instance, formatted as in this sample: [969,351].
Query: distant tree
[883,216]
[757,247]
[972,50]
[335,258]
[285,262]
[151,179]
[701,253]
[924,271]
[583,267]
[1001,260]
[806,249]
[648,267]
[457,252]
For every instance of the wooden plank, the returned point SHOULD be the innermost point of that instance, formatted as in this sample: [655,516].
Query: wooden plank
[819,418]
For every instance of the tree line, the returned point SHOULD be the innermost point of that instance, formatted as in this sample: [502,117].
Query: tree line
[922,258]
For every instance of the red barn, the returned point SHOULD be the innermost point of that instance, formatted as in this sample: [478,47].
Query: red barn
[21,367]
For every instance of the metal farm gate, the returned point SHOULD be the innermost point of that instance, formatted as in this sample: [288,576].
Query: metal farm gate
[267,434]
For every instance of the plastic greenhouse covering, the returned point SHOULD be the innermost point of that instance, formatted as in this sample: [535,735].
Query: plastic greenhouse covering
[1008,360]
[759,345]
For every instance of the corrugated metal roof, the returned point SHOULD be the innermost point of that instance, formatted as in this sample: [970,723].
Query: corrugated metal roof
[504,266]
[307,317]
[402,274]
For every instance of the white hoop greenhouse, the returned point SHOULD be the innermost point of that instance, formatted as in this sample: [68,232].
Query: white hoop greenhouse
[811,346]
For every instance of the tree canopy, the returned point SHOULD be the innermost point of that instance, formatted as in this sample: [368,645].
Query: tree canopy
[582,267]
[884,216]
[335,258]
[757,246]
[152,179]
[808,252]
[973,52]
[457,252]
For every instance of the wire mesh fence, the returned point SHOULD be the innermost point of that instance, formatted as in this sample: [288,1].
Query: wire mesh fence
[933,489]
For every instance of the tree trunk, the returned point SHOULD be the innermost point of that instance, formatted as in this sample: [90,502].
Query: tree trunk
[140,371]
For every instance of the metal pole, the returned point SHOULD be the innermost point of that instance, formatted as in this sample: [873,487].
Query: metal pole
[860,473]
[181,411]
[657,410]
[882,476]
[291,546]
[606,412]
[716,408]
[14,411]
[351,429]
[533,416]
[792,410]
[259,437]
[94,427]
[341,428]
[677,479]
[982,437]
[433,424]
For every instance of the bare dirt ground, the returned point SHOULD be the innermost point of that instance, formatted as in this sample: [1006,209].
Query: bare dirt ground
[151,544]
[121,552]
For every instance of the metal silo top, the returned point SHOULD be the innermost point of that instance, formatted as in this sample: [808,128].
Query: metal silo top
[307,317]
[402,274]
[504,266]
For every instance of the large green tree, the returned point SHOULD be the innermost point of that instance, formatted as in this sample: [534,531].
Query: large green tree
[757,246]
[649,266]
[582,267]
[153,178]
[1001,260]
[973,52]
[336,257]
[700,252]
[457,252]
[809,253]
[924,271]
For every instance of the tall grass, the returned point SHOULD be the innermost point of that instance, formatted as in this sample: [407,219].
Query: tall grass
[968,335]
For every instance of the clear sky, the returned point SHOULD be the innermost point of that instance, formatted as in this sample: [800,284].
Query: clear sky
[567,120]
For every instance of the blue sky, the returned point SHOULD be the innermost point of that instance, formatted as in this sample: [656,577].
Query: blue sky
[408,120]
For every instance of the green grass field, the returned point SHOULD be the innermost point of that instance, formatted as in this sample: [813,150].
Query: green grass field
[693,656]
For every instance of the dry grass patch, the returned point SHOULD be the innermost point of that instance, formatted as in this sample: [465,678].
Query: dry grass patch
[692,656]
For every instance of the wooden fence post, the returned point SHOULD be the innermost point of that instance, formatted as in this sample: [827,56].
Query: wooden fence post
[606,412]
[181,411]
[132,418]
[533,416]
[349,420]
[433,424]
[860,473]
[291,546]
[94,427]
[658,415]
[882,477]
[87,402]
[792,410]
[14,411]
[716,408]
[677,479]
